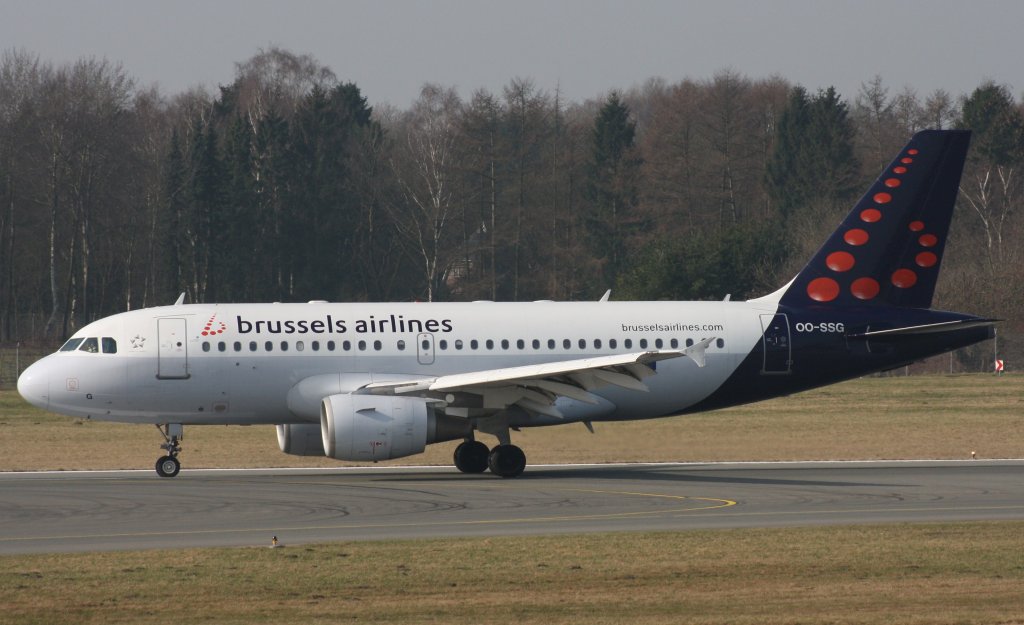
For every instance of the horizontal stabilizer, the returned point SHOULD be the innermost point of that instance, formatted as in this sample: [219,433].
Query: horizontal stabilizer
[945,326]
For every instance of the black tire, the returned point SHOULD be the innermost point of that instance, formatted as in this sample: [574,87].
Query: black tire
[167,466]
[507,461]
[471,457]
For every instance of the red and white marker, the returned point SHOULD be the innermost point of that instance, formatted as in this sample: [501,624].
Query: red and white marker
[999,366]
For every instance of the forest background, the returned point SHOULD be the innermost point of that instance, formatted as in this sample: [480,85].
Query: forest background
[286,186]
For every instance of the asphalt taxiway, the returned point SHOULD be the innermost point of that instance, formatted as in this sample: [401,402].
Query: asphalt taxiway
[112,510]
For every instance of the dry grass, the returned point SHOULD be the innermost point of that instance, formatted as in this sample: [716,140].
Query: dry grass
[869,418]
[936,574]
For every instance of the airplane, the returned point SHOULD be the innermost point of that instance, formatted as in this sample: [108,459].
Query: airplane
[377,381]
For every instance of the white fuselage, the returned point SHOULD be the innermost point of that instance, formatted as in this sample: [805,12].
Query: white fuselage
[238,363]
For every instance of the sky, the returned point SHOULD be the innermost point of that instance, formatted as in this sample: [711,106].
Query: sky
[582,48]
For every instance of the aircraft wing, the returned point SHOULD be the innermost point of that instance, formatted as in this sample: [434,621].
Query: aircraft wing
[536,387]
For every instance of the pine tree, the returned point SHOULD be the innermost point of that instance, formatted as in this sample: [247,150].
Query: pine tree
[612,184]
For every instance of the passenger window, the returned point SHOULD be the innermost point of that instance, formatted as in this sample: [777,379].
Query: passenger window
[315,345]
[658,343]
[474,344]
[597,343]
[90,345]
[490,344]
[643,343]
[458,343]
[252,346]
[583,343]
[362,346]
[551,343]
[628,343]
[222,346]
[443,344]
[238,346]
[612,343]
[536,344]
[109,345]
[720,343]
[330,346]
[71,345]
[401,345]
[299,346]
[206,346]
[268,346]
[689,342]
[284,346]
[520,344]
[377,346]
[566,344]
[345,345]
[674,343]
[504,343]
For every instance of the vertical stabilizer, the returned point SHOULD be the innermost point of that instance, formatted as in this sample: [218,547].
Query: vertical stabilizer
[888,249]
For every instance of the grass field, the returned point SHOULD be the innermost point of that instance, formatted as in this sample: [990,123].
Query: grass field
[934,574]
[869,418]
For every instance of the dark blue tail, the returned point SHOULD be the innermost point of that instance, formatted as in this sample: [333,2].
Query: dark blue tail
[888,249]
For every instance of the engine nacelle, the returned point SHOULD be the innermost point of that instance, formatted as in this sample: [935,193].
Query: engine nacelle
[300,439]
[382,427]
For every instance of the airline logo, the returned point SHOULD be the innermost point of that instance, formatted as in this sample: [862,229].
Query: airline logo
[214,327]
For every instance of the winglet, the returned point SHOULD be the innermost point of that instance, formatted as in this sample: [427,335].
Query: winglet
[180,300]
[697,351]
[607,294]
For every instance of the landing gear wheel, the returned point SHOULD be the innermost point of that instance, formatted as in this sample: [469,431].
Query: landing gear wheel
[471,457]
[507,461]
[167,466]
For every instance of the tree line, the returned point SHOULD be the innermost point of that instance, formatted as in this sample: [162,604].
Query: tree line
[285,185]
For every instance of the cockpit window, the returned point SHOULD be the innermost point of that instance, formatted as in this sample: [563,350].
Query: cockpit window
[71,345]
[109,345]
[91,345]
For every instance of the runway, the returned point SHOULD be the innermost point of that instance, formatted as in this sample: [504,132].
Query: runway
[95,511]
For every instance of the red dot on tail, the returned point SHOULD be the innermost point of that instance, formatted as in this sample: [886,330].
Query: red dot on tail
[871,215]
[926,259]
[928,240]
[916,226]
[823,289]
[856,236]
[899,170]
[204,333]
[864,288]
[904,278]
[906,160]
[892,183]
[912,152]
[883,198]
[840,261]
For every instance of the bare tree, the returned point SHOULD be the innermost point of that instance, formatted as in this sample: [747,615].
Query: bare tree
[426,166]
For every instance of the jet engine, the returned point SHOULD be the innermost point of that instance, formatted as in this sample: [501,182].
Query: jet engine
[300,439]
[382,427]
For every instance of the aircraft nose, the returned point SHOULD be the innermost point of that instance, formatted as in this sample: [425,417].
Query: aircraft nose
[34,385]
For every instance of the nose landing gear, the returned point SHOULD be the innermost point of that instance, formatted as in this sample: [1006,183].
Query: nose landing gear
[169,466]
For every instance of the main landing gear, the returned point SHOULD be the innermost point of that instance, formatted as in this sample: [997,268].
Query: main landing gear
[168,466]
[505,460]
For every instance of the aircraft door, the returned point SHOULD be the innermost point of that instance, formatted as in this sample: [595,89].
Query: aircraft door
[172,359]
[425,348]
[778,352]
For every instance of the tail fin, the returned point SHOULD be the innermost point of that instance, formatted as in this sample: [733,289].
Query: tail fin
[888,249]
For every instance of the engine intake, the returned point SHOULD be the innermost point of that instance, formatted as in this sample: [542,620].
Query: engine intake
[381,427]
